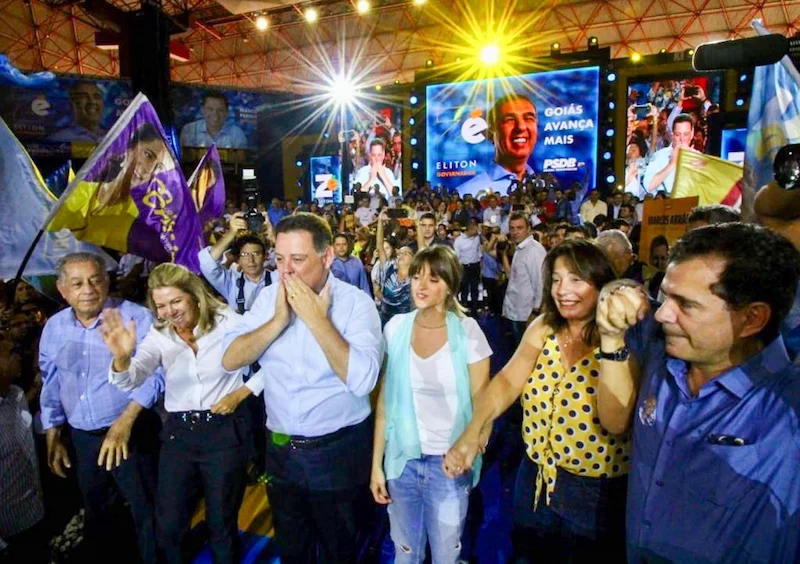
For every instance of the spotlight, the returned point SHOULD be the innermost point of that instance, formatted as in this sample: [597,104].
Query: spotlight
[607,156]
[413,141]
[378,87]
[612,76]
[458,59]
[412,121]
[636,57]
[490,55]
[298,163]
[326,135]
[593,43]
[262,23]
[612,104]
[419,2]
[429,63]
[311,15]
[611,179]
[739,102]
[363,6]
[610,132]
[342,91]
[413,100]
[555,48]
[690,52]
[663,50]
[742,77]
[397,81]
[415,165]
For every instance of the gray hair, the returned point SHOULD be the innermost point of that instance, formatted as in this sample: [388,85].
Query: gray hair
[614,242]
[79,257]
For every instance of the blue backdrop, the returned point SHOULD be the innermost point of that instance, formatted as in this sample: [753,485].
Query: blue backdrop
[567,105]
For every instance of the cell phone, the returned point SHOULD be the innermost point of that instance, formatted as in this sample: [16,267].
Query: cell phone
[691,91]
[396,213]
[641,111]
[517,207]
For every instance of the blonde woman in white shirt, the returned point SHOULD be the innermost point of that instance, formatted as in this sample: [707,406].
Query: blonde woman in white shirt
[205,439]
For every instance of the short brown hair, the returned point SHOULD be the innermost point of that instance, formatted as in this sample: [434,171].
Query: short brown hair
[443,263]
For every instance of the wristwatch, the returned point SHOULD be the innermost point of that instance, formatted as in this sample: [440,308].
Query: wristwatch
[618,355]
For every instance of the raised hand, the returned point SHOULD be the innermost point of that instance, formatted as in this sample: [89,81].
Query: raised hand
[309,306]
[283,314]
[619,307]
[119,339]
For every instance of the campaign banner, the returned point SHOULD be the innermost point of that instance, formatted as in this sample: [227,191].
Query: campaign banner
[207,186]
[371,120]
[326,179]
[65,117]
[733,145]
[712,180]
[667,217]
[562,140]
[225,118]
[131,195]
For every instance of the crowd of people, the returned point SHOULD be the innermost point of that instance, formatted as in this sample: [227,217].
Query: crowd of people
[341,353]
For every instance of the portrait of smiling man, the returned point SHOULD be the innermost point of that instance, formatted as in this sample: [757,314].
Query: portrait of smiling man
[513,130]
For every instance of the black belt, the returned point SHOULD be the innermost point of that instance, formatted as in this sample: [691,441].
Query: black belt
[299,442]
[196,417]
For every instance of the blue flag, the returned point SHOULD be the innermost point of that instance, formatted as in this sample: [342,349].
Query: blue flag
[9,74]
[25,203]
[773,121]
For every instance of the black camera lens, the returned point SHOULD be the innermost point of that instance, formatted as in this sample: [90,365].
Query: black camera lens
[787,167]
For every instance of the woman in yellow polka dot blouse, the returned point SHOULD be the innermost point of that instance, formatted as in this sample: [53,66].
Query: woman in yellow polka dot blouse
[569,500]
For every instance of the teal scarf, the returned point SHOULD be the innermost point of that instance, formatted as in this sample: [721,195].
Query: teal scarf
[402,435]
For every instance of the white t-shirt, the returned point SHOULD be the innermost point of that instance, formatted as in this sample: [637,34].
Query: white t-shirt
[433,385]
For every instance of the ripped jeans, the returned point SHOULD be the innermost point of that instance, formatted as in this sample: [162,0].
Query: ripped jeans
[428,506]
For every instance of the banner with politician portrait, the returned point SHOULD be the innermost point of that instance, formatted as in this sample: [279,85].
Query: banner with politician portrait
[498,134]
[326,179]
[131,195]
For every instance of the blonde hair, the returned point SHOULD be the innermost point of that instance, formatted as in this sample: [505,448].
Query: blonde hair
[177,276]
[443,263]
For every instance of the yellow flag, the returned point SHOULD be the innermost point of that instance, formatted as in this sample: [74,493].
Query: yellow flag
[712,180]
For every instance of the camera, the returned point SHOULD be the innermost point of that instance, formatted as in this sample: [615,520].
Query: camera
[501,246]
[253,217]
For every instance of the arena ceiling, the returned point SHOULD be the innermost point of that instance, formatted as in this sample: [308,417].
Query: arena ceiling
[390,43]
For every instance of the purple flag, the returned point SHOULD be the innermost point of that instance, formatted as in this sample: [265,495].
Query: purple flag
[208,187]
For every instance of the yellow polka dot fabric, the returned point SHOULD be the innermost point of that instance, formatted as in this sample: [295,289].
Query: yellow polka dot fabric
[560,425]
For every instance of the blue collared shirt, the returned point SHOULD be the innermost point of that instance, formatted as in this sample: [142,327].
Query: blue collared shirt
[195,134]
[226,281]
[302,394]
[790,328]
[276,214]
[74,362]
[715,478]
[351,271]
[496,178]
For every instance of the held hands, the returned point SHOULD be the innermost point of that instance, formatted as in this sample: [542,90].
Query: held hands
[462,454]
[377,485]
[619,307]
[120,340]
[115,444]
[309,306]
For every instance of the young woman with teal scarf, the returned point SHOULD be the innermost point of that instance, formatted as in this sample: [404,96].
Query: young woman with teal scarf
[437,361]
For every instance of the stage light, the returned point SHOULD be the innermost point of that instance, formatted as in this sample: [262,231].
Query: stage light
[663,50]
[412,121]
[612,76]
[415,165]
[413,100]
[607,156]
[611,179]
[326,135]
[690,52]
[610,132]
[742,77]
[429,63]
[362,6]
[262,23]
[593,43]
[413,141]
[612,104]
[555,48]
[490,55]
[397,81]
[636,57]
[740,102]
[378,87]
[419,2]
[298,163]
[311,15]
[342,91]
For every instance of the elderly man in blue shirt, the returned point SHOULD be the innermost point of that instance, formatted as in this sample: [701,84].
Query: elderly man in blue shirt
[319,343]
[713,398]
[346,267]
[115,443]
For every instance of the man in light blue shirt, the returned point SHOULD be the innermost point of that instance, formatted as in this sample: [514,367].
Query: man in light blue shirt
[213,129]
[660,172]
[116,444]
[513,130]
[319,343]
[346,267]
[86,100]
[716,431]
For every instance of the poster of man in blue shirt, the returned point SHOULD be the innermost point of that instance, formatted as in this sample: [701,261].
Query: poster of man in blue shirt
[214,128]
[86,100]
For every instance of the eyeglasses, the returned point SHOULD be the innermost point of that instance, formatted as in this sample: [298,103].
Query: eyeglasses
[255,255]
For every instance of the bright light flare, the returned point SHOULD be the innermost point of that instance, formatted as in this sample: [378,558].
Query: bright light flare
[342,91]
[636,57]
[419,2]
[362,6]
[490,55]
[311,15]
[262,23]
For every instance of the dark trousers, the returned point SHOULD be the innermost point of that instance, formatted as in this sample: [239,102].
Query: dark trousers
[208,455]
[256,417]
[135,480]
[319,494]
[470,287]
[494,295]
[27,547]
[517,331]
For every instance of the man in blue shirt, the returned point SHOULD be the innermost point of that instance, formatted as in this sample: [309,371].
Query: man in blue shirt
[346,267]
[86,100]
[115,443]
[713,399]
[213,129]
[276,211]
[513,130]
[319,343]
